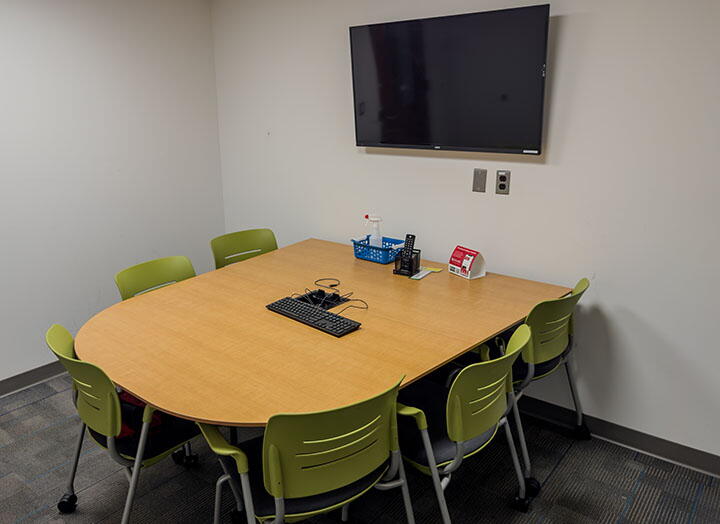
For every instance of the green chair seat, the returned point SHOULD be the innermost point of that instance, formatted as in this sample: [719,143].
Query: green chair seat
[431,398]
[520,369]
[294,507]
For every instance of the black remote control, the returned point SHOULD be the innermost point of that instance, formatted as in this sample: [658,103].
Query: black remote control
[409,246]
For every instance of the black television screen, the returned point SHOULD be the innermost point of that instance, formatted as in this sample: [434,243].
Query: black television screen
[471,82]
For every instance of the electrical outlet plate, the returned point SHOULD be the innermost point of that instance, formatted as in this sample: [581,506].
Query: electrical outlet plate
[479,180]
[502,182]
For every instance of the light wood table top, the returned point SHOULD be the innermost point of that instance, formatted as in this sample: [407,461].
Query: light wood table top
[207,349]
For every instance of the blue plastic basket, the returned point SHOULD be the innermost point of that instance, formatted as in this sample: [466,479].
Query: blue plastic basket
[381,255]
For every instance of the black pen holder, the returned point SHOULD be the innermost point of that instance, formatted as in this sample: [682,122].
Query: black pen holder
[407,266]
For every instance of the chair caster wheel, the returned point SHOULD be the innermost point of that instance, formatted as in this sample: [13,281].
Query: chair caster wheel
[237,517]
[179,457]
[520,504]
[532,487]
[581,432]
[67,503]
[182,459]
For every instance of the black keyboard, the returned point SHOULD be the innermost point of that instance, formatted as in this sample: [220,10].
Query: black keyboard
[314,316]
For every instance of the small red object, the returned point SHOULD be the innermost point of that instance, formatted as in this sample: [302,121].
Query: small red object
[466,263]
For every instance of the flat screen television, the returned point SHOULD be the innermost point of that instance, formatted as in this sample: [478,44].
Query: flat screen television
[471,82]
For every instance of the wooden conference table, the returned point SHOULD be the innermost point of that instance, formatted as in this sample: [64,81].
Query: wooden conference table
[207,349]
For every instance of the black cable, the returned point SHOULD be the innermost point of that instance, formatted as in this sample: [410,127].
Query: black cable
[324,299]
[328,286]
[352,305]
[334,287]
[304,298]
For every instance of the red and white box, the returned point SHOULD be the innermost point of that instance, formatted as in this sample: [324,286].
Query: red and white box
[466,263]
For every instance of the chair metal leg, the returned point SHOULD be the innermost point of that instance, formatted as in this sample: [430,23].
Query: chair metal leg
[247,498]
[218,497]
[237,493]
[279,511]
[236,490]
[405,494]
[521,501]
[345,512]
[136,472]
[532,485]
[68,502]
[581,430]
[444,513]
[76,459]
[521,438]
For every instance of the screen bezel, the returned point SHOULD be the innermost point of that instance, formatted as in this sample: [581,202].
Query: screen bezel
[520,151]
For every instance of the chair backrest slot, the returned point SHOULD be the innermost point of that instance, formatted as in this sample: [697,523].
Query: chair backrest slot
[248,252]
[497,386]
[153,288]
[344,457]
[373,422]
[490,404]
[86,393]
[338,448]
[561,321]
[241,245]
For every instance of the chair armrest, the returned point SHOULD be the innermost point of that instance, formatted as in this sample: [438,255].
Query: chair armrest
[417,414]
[483,351]
[220,446]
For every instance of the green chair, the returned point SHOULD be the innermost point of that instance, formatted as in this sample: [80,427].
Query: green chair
[552,347]
[457,423]
[135,436]
[152,275]
[312,463]
[234,247]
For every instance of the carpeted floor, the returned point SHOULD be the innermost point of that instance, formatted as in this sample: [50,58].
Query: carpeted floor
[583,481]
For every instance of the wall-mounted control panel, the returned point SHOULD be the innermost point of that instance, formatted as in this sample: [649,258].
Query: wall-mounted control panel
[502,182]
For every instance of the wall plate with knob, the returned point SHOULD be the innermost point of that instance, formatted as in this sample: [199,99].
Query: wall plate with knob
[502,182]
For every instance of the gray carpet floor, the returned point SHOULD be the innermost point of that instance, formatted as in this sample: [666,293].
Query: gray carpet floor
[583,481]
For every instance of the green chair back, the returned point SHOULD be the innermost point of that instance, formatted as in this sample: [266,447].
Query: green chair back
[97,401]
[478,397]
[551,324]
[152,275]
[312,453]
[234,247]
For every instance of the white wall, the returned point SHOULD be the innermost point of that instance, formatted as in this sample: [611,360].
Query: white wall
[108,155]
[626,192]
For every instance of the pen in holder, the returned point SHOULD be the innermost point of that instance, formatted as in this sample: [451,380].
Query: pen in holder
[407,265]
